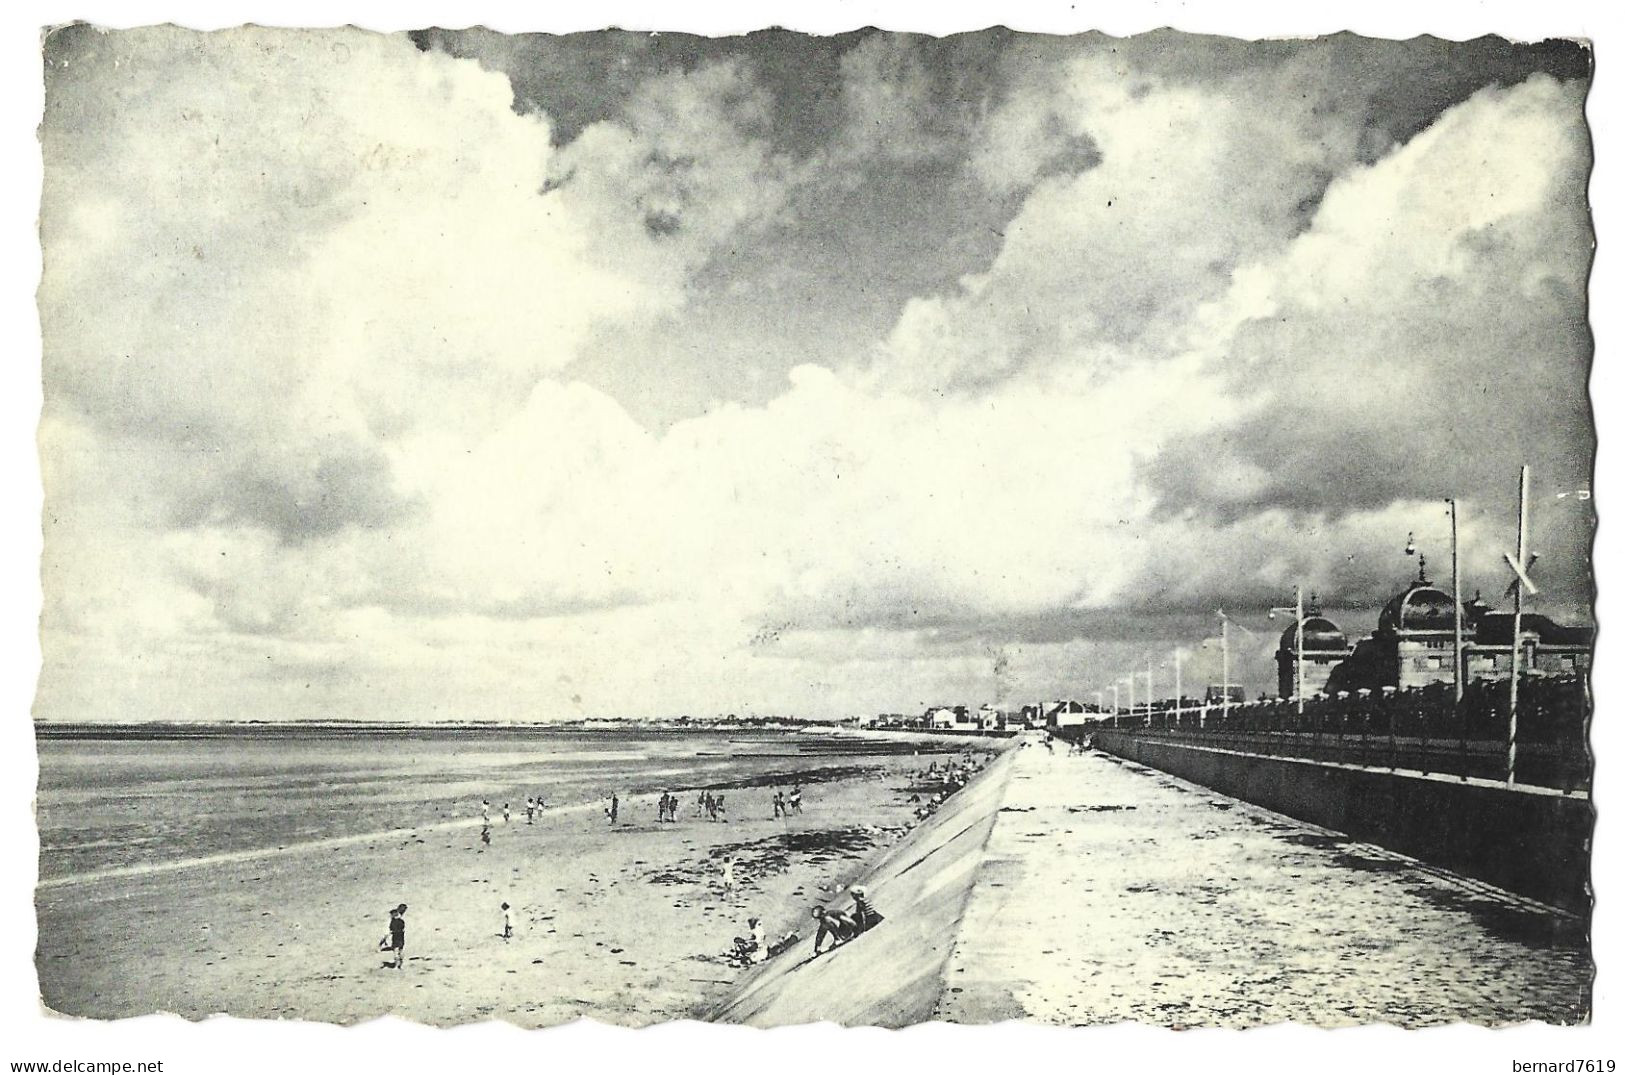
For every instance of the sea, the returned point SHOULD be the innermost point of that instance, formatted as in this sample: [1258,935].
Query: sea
[134,798]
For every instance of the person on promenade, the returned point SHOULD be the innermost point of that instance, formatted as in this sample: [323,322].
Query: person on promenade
[397,935]
[507,922]
[833,924]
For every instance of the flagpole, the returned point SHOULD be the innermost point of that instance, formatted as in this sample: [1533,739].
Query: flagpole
[1517,623]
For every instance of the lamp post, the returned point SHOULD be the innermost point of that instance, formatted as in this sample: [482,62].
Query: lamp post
[1149,693]
[1455,592]
[1179,690]
[1114,702]
[1131,678]
[1297,664]
[1224,687]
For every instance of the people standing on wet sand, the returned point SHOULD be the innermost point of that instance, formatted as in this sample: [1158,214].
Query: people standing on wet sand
[722,809]
[833,924]
[778,803]
[397,935]
[795,800]
[507,922]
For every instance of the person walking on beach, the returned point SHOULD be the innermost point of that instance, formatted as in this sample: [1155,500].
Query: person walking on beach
[485,836]
[485,811]
[795,800]
[507,922]
[530,810]
[728,879]
[506,814]
[614,808]
[778,803]
[397,935]
[722,811]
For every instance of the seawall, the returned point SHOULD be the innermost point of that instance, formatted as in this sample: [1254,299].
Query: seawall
[1532,841]
[892,976]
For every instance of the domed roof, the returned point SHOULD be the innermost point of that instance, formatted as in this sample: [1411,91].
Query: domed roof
[1421,607]
[1319,634]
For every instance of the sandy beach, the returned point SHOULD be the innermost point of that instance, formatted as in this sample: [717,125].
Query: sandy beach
[625,923]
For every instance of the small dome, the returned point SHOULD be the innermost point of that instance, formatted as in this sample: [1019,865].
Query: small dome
[1422,607]
[1319,635]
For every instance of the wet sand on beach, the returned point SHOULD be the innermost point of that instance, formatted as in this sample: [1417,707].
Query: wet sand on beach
[626,923]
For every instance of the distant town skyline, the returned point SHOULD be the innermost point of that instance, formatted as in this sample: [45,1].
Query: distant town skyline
[460,376]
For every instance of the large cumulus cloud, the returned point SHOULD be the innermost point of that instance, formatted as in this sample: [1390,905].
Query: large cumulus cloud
[325,434]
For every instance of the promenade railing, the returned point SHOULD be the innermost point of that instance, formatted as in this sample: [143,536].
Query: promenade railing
[1422,730]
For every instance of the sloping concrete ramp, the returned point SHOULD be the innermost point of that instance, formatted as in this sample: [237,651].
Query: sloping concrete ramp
[892,975]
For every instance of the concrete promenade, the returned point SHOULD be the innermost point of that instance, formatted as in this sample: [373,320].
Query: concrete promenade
[1084,889]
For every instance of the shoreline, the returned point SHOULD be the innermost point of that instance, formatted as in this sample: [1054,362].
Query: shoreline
[624,924]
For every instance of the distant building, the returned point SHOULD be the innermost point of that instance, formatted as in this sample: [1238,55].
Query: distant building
[1548,648]
[1217,691]
[1324,648]
[1067,713]
[1415,644]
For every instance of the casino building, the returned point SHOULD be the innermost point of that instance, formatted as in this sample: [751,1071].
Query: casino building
[1414,645]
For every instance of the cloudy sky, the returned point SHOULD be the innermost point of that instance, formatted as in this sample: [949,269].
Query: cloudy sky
[457,375]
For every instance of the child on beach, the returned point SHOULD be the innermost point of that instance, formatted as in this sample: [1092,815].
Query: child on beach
[728,878]
[506,815]
[397,935]
[507,922]
[753,948]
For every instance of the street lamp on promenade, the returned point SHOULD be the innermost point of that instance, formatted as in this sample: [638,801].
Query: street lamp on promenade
[1224,642]
[1455,588]
[1179,690]
[1297,664]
